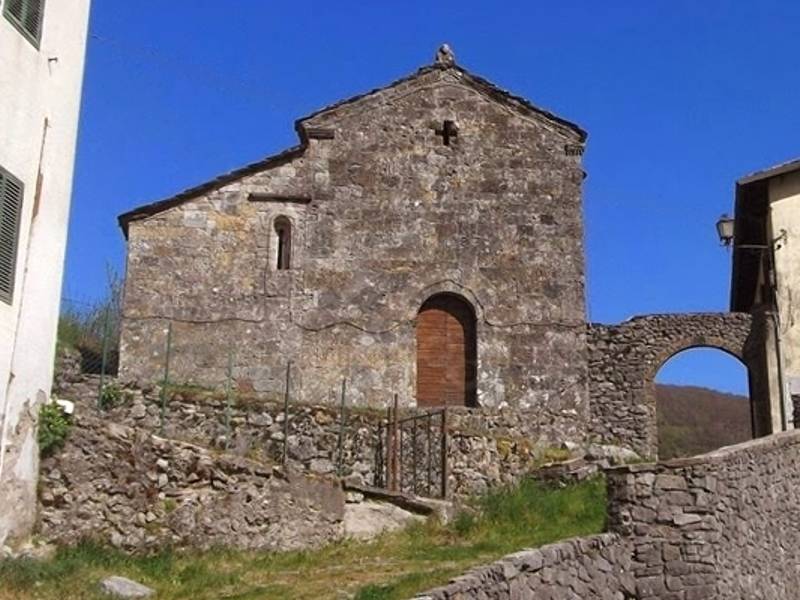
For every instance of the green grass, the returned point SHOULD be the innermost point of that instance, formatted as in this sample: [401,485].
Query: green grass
[395,566]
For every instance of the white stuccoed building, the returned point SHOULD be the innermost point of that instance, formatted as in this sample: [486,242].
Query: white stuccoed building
[42,51]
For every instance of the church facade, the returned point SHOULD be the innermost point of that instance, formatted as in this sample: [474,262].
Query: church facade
[424,239]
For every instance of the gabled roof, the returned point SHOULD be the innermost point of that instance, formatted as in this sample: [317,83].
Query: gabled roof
[480,84]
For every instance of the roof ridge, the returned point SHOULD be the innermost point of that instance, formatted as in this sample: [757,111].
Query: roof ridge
[445,62]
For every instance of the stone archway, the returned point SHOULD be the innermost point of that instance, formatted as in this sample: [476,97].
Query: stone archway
[624,360]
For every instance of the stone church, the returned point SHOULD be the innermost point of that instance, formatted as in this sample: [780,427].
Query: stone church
[423,239]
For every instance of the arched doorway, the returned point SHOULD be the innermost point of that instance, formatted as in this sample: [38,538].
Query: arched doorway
[446,352]
[702,402]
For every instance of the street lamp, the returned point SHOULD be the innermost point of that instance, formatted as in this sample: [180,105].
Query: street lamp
[725,230]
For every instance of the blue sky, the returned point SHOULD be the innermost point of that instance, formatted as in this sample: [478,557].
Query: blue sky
[679,99]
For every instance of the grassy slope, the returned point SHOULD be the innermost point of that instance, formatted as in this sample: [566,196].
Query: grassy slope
[394,566]
[693,420]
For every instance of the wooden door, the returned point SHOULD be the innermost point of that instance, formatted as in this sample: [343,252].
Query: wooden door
[446,353]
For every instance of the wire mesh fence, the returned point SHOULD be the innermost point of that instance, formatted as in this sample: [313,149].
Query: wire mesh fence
[88,339]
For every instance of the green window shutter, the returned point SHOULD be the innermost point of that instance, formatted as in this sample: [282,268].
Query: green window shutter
[11,192]
[27,16]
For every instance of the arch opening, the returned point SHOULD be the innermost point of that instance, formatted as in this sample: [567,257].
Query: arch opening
[446,352]
[703,402]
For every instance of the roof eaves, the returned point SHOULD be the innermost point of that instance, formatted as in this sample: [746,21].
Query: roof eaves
[148,210]
[779,169]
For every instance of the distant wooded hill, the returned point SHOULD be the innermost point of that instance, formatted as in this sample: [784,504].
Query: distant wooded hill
[694,420]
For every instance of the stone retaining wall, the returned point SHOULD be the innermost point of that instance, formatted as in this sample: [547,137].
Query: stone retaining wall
[720,526]
[487,447]
[117,484]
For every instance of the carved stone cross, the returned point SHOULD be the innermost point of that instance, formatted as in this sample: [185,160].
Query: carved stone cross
[448,131]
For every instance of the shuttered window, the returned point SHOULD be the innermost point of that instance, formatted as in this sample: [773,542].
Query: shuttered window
[11,190]
[27,16]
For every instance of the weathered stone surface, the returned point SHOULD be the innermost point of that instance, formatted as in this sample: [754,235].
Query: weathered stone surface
[717,526]
[121,587]
[488,447]
[367,519]
[591,568]
[143,491]
[198,483]
[732,531]
[624,360]
[384,216]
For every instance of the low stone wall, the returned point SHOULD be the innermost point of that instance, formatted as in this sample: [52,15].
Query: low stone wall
[721,525]
[590,568]
[487,447]
[718,526]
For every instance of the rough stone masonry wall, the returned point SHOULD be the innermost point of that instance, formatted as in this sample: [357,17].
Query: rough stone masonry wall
[590,568]
[123,485]
[487,447]
[624,360]
[720,526]
[384,216]
[212,476]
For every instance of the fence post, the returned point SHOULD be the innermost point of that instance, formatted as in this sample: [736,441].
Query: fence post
[428,428]
[445,474]
[228,388]
[106,319]
[165,383]
[341,429]
[286,412]
[395,462]
[389,445]
[414,453]
[377,475]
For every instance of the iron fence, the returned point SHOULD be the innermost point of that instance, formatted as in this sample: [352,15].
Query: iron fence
[411,453]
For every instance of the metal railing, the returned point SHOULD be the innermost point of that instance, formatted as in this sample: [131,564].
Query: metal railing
[411,453]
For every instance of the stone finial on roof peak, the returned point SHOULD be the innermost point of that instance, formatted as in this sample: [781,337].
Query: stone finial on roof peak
[445,56]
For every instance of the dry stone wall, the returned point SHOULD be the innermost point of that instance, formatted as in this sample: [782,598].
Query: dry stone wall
[119,484]
[212,475]
[487,447]
[722,525]
[624,360]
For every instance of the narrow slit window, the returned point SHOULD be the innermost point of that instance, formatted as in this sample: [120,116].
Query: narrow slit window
[283,236]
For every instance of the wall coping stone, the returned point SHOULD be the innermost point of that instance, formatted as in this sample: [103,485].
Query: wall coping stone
[523,561]
[766,443]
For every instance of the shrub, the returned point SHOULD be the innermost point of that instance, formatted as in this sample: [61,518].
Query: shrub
[111,395]
[53,428]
